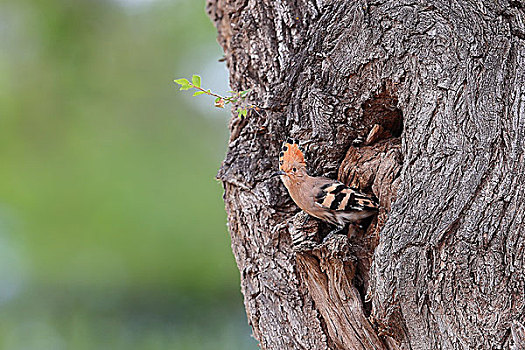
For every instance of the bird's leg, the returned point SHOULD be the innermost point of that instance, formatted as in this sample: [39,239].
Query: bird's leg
[333,232]
[305,220]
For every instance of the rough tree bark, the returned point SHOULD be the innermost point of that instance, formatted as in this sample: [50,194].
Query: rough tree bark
[442,267]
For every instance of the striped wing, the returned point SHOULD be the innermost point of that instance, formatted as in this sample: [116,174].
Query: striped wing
[339,197]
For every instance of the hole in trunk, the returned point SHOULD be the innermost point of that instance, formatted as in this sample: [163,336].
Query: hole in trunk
[382,110]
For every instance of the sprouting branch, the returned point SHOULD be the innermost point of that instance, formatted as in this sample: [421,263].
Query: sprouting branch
[220,101]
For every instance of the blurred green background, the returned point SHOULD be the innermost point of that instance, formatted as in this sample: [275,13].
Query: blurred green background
[112,227]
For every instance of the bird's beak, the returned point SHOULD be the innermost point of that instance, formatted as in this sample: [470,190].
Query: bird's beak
[280,172]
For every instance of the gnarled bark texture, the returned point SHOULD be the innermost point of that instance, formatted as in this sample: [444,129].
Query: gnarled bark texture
[420,103]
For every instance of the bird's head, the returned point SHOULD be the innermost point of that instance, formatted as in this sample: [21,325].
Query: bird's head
[291,161]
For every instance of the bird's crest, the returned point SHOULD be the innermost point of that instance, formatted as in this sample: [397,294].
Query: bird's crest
[291,155]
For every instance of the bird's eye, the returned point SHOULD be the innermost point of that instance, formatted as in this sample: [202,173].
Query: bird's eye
[294,170]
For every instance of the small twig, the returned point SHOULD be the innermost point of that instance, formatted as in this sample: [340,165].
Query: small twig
[220,101]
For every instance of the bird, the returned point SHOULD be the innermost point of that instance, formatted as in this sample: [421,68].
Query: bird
[326,199]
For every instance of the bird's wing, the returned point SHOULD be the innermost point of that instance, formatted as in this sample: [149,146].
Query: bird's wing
[339,197]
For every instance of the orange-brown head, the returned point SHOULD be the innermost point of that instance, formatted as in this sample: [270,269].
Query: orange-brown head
[291,160]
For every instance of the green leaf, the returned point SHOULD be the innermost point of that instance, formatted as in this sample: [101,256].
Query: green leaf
[185,87]
[242,112]
[196,80]
[217,99]
[182,81]
[197,93]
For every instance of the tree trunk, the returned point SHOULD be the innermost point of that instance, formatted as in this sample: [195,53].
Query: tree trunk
[422,104]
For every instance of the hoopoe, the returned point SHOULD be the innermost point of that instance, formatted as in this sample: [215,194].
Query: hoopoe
[326,199]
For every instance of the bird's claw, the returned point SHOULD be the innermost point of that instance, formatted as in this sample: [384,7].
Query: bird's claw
[332,233]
